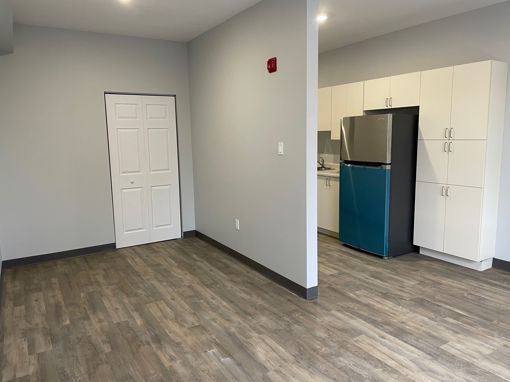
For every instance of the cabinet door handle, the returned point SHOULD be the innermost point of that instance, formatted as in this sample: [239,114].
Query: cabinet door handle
[445,147]
[386,102]
[391,101]
[450,147]
[446,133]
[452,133]
[447,191]
[442,190]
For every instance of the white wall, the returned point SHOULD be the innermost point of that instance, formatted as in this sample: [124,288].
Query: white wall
[55,192]
[473,36]
[6,25]
[239,112]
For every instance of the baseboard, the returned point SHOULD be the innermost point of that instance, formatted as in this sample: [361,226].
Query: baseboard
[475,265]
[301,291]
[187,234]
[57,255]
[501,264]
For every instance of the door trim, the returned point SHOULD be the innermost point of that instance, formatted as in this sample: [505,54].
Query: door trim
[106,92]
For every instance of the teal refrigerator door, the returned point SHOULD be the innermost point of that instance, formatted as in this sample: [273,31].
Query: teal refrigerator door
[364,207]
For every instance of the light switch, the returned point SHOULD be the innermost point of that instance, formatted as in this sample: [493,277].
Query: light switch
[280,148]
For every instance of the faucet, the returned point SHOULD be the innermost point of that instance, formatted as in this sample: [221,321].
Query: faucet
[321,162]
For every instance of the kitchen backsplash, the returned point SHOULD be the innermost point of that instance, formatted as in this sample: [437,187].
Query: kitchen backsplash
[326,148]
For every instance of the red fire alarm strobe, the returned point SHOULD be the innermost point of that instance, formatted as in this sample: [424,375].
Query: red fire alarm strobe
[272,65]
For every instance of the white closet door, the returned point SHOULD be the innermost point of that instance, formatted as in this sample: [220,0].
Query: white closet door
[462,223]
[144,170]
[432,161]
[163,167]
[436,103]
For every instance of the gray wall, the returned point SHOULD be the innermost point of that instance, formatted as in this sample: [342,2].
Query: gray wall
[55,192]
[473,36]
[239,112]
[6,26]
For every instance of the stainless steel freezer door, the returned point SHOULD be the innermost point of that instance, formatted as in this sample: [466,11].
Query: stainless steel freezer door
[367,138]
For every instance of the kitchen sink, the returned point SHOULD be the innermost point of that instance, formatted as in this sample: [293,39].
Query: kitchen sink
[324,168]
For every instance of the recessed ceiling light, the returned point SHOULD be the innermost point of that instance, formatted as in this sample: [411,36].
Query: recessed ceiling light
[124,1]
[322,18]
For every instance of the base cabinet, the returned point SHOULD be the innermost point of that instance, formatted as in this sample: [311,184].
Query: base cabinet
[448,219]
[462,222]
[328,203]
[429,215]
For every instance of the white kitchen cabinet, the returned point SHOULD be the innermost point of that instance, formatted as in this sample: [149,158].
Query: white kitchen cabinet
[328,203]
[429,215]
[347,101]
[466,163]
[435,103]
[462,222]
[432,161]
[469,178]
[405,90]
[392,92]
[324,111]
[470,100]
[377,93]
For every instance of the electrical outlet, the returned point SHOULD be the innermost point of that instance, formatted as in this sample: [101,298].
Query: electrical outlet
[236,221]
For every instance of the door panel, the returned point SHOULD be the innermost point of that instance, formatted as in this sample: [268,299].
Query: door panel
[130,143]
[324,110]
[376,93]
[134,210]
[470,100]
[435,103]
[161,207]
[463,218]
[158,150]
[328,199]
[405,90]
[144,169]
[466,163]
[429,216]
[432,161]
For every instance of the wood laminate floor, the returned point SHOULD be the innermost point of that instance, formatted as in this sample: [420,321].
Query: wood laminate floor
[183,310]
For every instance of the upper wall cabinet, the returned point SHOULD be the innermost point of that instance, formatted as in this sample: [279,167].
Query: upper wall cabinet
[377,93]
[470,100]
[436,103]
[324,111]
[347,101]
[392,92]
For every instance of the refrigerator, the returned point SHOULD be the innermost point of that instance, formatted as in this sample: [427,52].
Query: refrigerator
[377,183]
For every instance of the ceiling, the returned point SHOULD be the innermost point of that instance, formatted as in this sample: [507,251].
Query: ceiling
[174,20]
[351,21]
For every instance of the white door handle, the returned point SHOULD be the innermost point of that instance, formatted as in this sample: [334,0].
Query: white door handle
[447,191]
[386,102]
[445,147]
[452,133]
[442,190]
[450,147]
[391,101]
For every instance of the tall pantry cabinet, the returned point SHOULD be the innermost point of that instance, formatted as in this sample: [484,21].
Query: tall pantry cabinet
[462,111]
